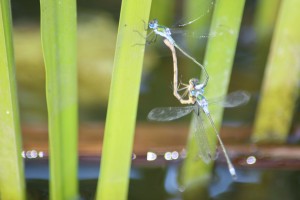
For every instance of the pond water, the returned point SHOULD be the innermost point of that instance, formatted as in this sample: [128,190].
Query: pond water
[160,182]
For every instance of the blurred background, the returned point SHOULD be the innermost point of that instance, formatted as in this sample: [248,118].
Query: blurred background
[97,31]
[159,148]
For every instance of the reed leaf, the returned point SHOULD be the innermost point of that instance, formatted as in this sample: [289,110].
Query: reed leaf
[281,81]
[265,18]
[12,182]
[264,22]
[201,10]
[158,11]
[58,33]
[123,99]
[192,10]
[218,62]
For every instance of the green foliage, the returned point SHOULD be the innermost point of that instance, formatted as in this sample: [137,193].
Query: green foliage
[218,62]
[58,32]
[123,99]
[264,21]
[281,79]
[264,18]
[158,11]
[12,184]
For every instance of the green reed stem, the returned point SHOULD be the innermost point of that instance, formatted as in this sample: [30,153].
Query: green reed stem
[123,100]
[58,32]
[281,81]
[12,182]
[218,61]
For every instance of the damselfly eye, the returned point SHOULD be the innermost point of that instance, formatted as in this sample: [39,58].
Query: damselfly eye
[194,82]
[153,23]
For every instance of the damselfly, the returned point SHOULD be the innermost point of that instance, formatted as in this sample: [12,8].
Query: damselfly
[199,109]
[189,87]
[166,33]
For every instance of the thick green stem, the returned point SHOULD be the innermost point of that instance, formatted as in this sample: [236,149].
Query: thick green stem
[203,10]
[218,62]
[158,11]
[263,25]
[123,101]
[281,80]
[58,32]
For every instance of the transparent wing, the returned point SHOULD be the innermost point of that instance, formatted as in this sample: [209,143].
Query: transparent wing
[206,147]
[180,32]
[233,99]
[204,10]
[169,113]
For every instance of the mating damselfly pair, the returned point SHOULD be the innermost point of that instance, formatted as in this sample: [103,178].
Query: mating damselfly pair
[200,105]
[202,118]
[167,32]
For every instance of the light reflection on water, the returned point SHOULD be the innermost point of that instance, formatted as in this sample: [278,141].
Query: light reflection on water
[32,154]
[161,181]
[151,156]
[251,160]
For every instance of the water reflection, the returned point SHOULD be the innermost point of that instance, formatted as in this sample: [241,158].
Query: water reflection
[222,181]
[151,156]
[161,181]
[175,155]
[171,155]
[168,156]
[170,183]
[133,156]
[31,154]
[251,160]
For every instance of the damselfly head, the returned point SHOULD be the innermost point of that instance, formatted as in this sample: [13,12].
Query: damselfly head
[193,82]
[153,24]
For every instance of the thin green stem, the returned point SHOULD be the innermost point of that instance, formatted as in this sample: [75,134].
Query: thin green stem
[12,182]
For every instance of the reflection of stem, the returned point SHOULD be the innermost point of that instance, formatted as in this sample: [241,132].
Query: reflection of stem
[191,100]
